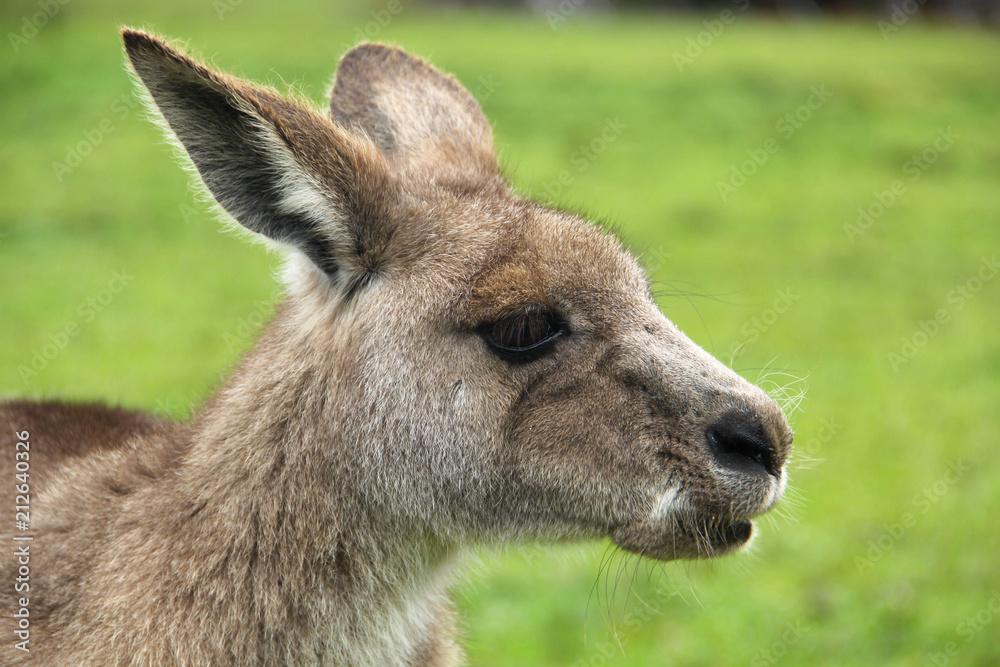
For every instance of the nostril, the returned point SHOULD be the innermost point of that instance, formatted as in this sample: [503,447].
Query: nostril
[742,445]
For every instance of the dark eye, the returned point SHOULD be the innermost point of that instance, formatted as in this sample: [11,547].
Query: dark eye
[524,334]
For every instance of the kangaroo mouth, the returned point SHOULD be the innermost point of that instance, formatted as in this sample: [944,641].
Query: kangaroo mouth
[685,537]
[731,535]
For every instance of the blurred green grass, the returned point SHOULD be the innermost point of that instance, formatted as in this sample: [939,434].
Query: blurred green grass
[875,445]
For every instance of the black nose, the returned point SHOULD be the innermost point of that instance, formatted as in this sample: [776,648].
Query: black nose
[740,443]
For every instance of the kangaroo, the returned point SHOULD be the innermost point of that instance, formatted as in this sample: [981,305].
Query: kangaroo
[451,364]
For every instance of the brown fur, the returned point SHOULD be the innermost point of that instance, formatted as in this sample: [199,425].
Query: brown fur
[314,509]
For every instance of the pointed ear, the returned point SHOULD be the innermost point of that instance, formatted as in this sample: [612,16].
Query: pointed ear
[424,121]
[278,168]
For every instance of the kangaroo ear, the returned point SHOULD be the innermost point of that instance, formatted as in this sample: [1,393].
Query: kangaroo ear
[424,121]
[278,168]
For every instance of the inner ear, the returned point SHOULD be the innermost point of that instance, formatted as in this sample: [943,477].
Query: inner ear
[424,121]
[277,167]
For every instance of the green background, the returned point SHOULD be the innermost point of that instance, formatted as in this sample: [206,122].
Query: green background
[886,550]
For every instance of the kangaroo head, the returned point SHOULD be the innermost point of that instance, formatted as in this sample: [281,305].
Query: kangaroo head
[484,367]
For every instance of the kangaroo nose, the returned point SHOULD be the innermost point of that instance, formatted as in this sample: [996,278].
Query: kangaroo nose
[739,442]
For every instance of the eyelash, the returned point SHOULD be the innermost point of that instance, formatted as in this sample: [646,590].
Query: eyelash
[525,334]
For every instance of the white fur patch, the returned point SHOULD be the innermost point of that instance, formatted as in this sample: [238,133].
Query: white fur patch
[301,195]
[667,503]
[776,490]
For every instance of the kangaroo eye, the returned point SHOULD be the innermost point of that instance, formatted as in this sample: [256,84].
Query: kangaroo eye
[524,334]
